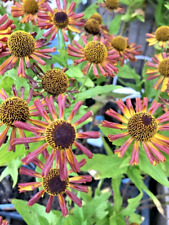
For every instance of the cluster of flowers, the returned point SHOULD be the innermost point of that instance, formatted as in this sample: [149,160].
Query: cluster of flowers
[58,134]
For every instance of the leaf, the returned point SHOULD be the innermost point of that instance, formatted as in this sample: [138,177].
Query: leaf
[127,72]
[156,172]
[12,170]
[106,166]
[133,203]
[90,10]
[134,174]
[96,91]
[36,214]
[115,24]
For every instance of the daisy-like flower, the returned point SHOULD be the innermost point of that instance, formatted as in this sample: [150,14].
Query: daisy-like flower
[23,47]
[59,19]
[96,54]
[54,186]
[142,127]
[3,222]
[28,9]
[93,26]
[160,64]
[6,27]
[160,37]
[59,134]
[112,6]
[123,48]
[15,109]
[52,82]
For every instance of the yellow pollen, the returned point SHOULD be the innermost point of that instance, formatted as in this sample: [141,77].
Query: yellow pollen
[119,43]
[97,17]
[112,4]
[60,135]
[55,82]
[163,67]
[14,109]
[142,126]
[52,183]
[30,6]
[95,51]
[162,33]
[60,19]
[92,27]
[21,43]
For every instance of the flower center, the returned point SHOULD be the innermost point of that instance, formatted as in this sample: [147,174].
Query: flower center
[162,33]
[97,17]
[21,43]
[119,43]
[112,4]
[55,82]
[14,109]
[95,52]
[61,19]
[142,126]
[60,135]
[52,183]
[30,6]
[163,67]
[92,26]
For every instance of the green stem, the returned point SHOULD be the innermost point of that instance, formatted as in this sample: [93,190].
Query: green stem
[86,77]
[117,195]
[157,95]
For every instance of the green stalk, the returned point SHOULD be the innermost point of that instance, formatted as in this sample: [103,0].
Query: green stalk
[117,195]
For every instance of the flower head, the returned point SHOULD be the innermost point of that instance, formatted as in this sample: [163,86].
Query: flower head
[112,5]
[22,46]
[96,54]
[28,9]
[56,19]
[123,48]
[160,70]
[53,186]
[142,127]
[15,109]
[3,222]
[160,37]
[6,27]
[59,134]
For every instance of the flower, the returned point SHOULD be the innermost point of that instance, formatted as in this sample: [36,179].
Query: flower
[96,55]
[6,27]
[112,5]
[142,127]
[160,37]
[160,71]
[93,26]
[123,48]
[59,134]
[22,46]
[28,8]
[59,19]
[15,109]
[54,186]
[3,222]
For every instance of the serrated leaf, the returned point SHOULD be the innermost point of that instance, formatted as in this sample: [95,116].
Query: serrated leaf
[36,214]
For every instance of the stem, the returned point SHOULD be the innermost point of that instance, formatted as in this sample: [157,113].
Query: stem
[86,77]
[157,95]
[117,195]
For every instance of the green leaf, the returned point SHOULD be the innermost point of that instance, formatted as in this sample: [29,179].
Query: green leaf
[12,170]
[106,166]
[133,203]
[36,214]
[127,72]
[115,24]
[134,174]
[96,91]
[90,10]
[156,172]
